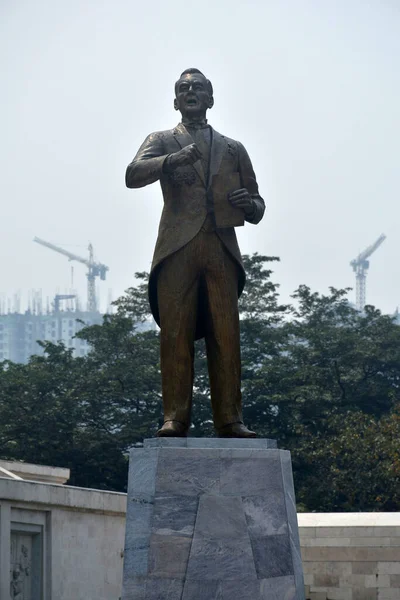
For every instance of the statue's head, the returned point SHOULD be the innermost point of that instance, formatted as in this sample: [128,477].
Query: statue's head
[193,94]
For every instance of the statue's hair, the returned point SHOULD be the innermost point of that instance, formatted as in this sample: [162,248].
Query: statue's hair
[190,72]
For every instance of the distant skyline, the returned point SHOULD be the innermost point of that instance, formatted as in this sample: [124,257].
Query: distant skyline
[34,300]
[312,89]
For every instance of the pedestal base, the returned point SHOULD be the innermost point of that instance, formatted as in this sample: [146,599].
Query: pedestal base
[211,519]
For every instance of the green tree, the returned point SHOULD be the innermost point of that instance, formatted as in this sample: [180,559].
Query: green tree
[353,466]
[318,376]
[37,405]
[334,367]
[85,413]
[122,390]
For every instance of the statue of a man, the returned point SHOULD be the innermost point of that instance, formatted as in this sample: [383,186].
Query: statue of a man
[197,275]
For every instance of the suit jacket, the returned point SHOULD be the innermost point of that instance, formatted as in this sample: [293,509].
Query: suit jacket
[185,195]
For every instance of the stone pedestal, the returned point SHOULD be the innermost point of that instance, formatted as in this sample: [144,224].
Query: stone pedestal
[211,519]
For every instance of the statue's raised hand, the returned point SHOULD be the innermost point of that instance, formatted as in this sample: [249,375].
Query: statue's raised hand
[187,156]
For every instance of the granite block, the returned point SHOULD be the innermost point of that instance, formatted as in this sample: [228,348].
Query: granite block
[138,515]
[341,568]
[365,594]
[243,444]
[327,580]
[272,556]
[242,589]
[221,517]
[266,515]
[256,475]
[134,589]
[188,472]
[211,520]
[142,472]
[199,590]
[388,568]
[238,453]
[365,568]
[168,556]
[175,515]
[221,559]
[190,442]
[280,588]
[345,531]
[136,555]
[165,442]
[297,565]
[356,554]
[394,581]
[290,500]
[163,589]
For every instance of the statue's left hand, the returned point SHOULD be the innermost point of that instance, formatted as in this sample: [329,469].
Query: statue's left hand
[242,199]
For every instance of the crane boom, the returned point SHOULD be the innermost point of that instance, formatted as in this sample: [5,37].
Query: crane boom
[371,249]
[360,267]
[69,255]
[96,269]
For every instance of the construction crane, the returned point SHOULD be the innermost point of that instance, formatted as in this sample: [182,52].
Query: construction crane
[95,269]
[59,297]
[360,267]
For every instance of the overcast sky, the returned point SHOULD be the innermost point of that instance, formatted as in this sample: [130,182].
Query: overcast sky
[310,87]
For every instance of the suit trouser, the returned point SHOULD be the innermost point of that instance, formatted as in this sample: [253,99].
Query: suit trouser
[202,267]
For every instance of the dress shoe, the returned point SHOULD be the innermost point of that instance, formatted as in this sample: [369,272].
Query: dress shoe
[173,429]
[235,430]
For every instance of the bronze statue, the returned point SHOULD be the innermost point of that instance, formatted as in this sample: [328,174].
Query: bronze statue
[197,275]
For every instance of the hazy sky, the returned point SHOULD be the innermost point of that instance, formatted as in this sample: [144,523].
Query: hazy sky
[310,87]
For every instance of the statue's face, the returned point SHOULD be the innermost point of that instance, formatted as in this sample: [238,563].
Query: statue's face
[192,95]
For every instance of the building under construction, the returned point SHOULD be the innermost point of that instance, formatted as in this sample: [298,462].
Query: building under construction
[20,332]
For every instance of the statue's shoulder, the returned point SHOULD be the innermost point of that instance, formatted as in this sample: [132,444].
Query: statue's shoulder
[161,135]
[166,132]
[233,145]
[225,137]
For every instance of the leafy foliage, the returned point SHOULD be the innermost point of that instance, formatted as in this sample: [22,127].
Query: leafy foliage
[353,466]
[318,376]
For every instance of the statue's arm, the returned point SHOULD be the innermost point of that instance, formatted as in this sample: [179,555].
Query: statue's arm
[147,165]
[248,181]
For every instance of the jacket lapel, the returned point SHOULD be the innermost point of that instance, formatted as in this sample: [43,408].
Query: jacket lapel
[184,138]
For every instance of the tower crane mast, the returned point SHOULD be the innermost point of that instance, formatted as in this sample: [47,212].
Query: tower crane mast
[360,267]
[95,269]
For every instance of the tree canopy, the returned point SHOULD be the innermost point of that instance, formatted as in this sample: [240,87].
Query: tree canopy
[317,375]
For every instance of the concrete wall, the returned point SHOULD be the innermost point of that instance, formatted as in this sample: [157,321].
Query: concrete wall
[66,543]
[31,472]
[351,556]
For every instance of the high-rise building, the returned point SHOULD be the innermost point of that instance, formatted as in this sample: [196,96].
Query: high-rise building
[19,332]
